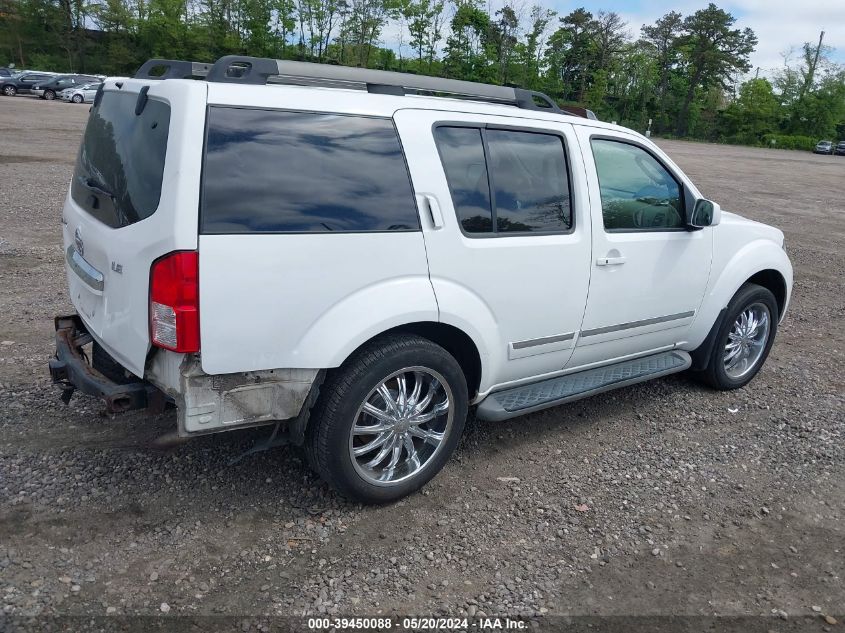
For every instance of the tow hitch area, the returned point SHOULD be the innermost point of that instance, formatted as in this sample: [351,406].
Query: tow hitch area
[71,370]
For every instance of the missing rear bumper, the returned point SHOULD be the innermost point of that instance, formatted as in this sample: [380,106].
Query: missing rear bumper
[71,371]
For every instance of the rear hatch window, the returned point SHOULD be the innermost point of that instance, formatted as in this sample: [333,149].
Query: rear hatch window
[120,165]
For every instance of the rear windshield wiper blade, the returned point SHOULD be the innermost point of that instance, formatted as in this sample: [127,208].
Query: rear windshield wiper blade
[96,187]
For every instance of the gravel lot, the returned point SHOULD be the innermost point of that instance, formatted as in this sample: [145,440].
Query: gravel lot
[660,499]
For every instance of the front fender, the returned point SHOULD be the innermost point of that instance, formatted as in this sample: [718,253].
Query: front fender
[728,276]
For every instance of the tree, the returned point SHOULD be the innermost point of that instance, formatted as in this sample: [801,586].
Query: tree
[503,38]
[713,51]
[754,113]
[571,54]
[425,26]
[531,51]
[663,37]
[465,55]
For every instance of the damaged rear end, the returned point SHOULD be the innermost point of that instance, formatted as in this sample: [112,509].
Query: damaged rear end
[130,224]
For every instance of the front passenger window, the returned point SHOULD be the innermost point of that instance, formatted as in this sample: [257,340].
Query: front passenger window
[637,192]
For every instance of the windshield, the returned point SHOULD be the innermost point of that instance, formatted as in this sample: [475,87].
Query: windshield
[120,165]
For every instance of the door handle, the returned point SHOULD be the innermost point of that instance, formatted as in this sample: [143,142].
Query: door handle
[434,211]
[610,261]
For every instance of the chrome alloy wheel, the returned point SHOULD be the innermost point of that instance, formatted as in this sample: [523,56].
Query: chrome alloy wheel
[402,424]
[747,340]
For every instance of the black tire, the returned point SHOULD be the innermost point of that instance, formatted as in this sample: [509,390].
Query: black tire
[49,95]
[327,441]
[715,374]
[10,91]
[76,98]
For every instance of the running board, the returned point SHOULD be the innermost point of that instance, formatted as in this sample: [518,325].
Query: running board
[554,391]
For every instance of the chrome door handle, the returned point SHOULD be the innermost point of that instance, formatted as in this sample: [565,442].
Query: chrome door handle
[610,261]
[434,211]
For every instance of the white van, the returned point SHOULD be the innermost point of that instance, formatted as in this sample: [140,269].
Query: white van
[359,256]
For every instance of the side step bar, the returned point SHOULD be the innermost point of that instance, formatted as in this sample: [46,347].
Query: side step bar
[554,391]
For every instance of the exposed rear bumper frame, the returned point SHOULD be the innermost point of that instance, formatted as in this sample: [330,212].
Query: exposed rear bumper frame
[71,370]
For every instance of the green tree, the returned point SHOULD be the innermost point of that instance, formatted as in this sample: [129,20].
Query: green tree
[754,113]
[663,37]
[713,52]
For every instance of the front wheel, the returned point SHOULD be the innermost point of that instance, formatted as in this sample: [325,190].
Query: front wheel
[10,91]
[388,419]
[49,95]
[76,98]
[744,339]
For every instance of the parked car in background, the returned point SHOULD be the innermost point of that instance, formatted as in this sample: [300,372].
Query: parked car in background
[81,94]
[23,83]
[6,72]
[839,150]
[49,89]
[824,147]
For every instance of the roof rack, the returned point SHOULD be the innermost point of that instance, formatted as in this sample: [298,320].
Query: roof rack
[261,70]
[256,70]
[173,69]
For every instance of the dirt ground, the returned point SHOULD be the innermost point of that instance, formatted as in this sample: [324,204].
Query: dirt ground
[664,499]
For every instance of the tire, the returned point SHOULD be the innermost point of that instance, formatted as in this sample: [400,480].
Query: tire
[76,99]
[10,91]
[731,369]
[330,441]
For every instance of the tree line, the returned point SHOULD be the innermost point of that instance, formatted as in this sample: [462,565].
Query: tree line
[689,75]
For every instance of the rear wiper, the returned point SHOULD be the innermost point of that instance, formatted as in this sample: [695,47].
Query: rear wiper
[96,187]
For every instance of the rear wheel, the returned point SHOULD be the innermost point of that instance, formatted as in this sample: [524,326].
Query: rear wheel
[388,419]
[744,339]
[10,91]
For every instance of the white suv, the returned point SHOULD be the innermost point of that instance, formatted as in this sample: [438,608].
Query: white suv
[358,257]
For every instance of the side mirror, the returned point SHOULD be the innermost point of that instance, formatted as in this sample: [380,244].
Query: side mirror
[704,213]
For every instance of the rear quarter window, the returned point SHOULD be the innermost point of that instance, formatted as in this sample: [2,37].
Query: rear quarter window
[274,171]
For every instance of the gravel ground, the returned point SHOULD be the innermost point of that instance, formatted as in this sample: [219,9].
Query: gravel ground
[661,499]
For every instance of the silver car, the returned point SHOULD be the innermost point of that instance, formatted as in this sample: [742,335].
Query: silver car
[82,94]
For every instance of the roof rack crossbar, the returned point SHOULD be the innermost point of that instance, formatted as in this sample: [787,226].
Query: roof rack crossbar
[173,69]
[257,71]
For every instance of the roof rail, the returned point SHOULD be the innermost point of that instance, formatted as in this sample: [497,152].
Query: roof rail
[173,69]
[259,71]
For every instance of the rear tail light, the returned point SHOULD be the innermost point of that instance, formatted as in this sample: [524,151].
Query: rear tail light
[174,302]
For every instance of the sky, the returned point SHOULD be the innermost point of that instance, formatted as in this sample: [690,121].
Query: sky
[779,24]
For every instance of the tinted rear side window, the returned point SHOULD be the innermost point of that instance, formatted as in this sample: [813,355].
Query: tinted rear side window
[530,181]
[120,165]
[270,171]
[462,152]
[528,171]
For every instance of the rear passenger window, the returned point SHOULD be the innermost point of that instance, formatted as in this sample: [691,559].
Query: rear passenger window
[530,182]
[506,181]
[462,153]
[270,171]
